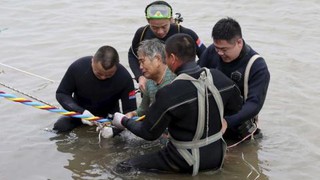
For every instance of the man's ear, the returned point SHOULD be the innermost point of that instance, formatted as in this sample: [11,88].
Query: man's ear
[174,59]
[240,42]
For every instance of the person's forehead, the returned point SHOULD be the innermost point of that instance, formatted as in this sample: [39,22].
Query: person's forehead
[159,22]
[99,66]
[143,57]
[110,70]
[220,42]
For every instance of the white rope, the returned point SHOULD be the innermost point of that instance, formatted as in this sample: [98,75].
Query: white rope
[29,73]
[249,135]
[251,168]
[99,129]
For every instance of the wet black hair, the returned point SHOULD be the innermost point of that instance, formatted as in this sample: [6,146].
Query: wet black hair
[226,29]
[183,46]
[108,56]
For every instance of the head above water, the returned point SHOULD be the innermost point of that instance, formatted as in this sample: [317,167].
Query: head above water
[227,39]
[151,48]
[180,49]
[226,29]
[152,58]
[104,62]
[159,17]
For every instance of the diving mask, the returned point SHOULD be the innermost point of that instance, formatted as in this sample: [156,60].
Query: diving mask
[158,11]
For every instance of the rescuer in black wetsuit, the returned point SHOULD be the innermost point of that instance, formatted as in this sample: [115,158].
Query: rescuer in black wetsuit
[95,85]
[160,26]
[192,108]
[230,54]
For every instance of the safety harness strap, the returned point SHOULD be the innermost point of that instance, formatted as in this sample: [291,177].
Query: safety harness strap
[246,84]
[198,143]
[202,84]
[246,75]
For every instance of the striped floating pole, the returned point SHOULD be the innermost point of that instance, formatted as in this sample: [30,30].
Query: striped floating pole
[50,108]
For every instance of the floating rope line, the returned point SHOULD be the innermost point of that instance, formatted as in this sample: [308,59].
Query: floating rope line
[50,108]
[16,90]
[29,73]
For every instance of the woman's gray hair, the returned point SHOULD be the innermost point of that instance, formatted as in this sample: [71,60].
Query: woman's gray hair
[151,48]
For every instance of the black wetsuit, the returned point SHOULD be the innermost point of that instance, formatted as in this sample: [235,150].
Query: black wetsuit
[148,34]
[176,108]
[81,90]
[259,78]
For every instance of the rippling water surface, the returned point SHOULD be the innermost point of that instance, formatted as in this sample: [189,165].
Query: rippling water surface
[44,37]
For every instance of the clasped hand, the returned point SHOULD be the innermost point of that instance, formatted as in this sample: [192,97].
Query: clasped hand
[89,114]
[117,120]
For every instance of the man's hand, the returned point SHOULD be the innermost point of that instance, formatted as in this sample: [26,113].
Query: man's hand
[117,120]
[131,114]
[248,127]
[89,114]
[224,126]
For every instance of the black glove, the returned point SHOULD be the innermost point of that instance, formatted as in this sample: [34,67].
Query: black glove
[116,131]
[247,128]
